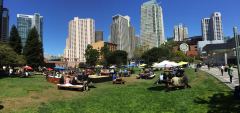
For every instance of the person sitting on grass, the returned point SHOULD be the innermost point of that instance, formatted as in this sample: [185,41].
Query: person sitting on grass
[175,81]
[67,80]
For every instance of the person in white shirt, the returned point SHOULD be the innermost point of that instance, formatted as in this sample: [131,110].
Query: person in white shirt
[222,69]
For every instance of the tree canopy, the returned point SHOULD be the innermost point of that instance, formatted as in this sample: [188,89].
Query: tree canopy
[118,57]
[9,57]
[91,56]
[15,40]
[33,50]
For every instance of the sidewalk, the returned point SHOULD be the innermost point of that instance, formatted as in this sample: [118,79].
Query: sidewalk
[225,78]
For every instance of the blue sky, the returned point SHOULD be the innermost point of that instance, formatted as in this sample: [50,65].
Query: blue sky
[57,14]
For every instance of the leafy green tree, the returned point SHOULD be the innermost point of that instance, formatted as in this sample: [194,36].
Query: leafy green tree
[105,53]
[118,57]
[91,55]
[15,40]
[9,57]
[156,55]
[33,50]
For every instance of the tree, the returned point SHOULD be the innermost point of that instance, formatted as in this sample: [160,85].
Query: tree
[33,50]
[91,55]
[15,40]
[105,53]
[118,57]
[156,55]
[9,57]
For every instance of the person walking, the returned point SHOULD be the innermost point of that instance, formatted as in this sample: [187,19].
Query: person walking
[230,73]
[222,69]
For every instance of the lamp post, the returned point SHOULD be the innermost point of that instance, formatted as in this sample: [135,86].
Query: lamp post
[237,55]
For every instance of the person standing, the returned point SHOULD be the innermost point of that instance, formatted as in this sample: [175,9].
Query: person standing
[208,65]
[230,73]
[222,69]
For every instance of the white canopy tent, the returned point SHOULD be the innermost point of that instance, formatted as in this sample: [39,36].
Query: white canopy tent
[165,64]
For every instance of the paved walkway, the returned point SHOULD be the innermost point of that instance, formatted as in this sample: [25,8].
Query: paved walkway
[225,78]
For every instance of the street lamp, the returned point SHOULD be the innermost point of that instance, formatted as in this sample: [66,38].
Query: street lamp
[238,64]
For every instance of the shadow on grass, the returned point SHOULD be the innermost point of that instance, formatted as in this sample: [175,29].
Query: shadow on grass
[221,103]
[1,107]
[157,88]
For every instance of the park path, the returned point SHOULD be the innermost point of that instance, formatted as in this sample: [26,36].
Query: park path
[225,78]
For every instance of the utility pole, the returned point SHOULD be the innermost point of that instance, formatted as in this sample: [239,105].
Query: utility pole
[236,36]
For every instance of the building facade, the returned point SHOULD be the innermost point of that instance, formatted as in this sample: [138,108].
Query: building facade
[100,44]
[122,34]
[5,25]
[152,28]
[212,27]
[98,36]
[26,22]
[81,33]
[180,33]
[212,30]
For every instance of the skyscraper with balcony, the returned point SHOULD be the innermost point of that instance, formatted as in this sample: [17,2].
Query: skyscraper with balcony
[180,33]
[81,33]
[122,34]
[26,22]
[152,28]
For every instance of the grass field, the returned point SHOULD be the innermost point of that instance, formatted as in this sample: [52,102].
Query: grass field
[136,96]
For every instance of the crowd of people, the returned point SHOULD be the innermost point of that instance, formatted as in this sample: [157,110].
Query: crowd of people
[146,73]
[175,77]
[70,77]
[15,72]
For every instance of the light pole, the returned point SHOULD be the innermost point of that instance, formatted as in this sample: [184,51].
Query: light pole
[237,55]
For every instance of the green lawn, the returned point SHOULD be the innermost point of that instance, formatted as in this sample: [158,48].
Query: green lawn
[138,96]
[18,87]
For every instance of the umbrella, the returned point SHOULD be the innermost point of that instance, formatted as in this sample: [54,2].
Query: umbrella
[27,67]
[59,68]
[131,65]
[165,63]
[182,63]
[49,69]
[112,67]
[143,65]
[99,66]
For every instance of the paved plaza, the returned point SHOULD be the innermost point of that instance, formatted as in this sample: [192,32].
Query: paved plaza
[225,78]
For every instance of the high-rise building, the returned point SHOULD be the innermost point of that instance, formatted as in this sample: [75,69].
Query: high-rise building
[4,23]
[212,31]
[81,33]
[216,26]
[212,27]
[1,11]
[205,29]
[180,33]
[26,22]
[98,36]
[152,28]
[235,31]
[122,34]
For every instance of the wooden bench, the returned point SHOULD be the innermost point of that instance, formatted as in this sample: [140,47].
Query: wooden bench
[77,87]
[119,81]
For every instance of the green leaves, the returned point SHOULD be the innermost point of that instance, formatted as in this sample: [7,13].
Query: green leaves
[91,55]
[9,57]
[15,40]
[33,50]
